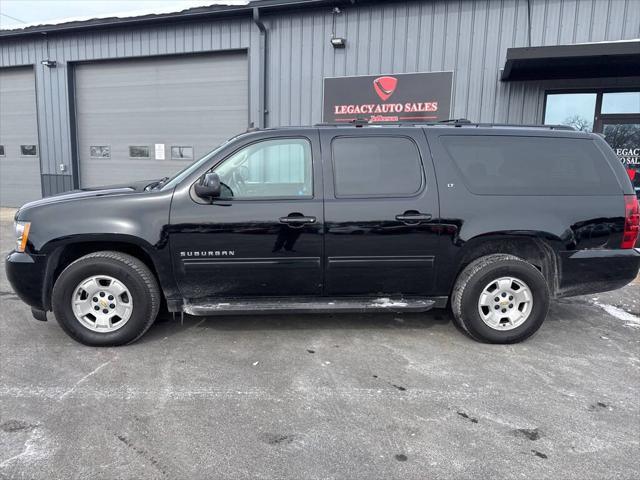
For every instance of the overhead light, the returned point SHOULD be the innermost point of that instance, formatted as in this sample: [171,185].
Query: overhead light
[49,63]
[338,42]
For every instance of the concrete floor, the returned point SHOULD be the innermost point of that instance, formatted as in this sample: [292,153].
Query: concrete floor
[345,396]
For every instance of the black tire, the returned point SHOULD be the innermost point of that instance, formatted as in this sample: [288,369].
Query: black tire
[475,277]
[127,269]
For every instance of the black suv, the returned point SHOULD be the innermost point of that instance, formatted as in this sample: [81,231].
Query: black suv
[493,220]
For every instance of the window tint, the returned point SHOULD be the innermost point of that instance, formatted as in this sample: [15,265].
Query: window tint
[182,153]
[1,150]
[271,168]
[100,151]
[28,150]
[139,151]
[376,166]
[510,165]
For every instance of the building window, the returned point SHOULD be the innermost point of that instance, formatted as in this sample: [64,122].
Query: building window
[136,151]
[393,167]
[100,151]
[28,150]
[620,102]
[574,109]
[1,150]
[181,153]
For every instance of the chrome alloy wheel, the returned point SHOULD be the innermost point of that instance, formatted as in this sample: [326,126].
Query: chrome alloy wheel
[505,303]
[102,304]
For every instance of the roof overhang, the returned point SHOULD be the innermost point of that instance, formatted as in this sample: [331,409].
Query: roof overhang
[585,60]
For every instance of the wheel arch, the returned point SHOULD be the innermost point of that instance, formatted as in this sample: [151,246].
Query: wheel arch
[536,248]
[67,252]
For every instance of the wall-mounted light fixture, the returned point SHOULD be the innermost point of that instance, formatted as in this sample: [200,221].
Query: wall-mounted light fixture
[336,42]
[49,63]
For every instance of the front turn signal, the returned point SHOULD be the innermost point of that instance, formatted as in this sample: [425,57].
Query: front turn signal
[22,235]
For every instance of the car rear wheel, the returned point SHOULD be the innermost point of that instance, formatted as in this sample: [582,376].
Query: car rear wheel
[106,299]
[500,299]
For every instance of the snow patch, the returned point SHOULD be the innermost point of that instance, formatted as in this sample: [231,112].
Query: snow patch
[387,302]
[634,320]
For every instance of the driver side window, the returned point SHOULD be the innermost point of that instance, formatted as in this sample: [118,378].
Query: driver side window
[267,169]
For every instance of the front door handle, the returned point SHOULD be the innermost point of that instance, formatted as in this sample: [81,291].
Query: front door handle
[297,220]
[413,217]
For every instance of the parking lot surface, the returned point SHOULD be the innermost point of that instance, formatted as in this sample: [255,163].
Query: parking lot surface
[318,396]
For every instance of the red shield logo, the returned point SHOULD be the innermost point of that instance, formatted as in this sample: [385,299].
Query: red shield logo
[385,86]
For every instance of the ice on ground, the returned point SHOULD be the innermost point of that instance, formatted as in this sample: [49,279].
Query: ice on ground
[633,320]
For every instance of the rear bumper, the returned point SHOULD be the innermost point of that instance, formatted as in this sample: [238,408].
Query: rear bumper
[26,274]
[593,271]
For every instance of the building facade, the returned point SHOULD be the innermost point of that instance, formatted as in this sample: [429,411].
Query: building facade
[111,100]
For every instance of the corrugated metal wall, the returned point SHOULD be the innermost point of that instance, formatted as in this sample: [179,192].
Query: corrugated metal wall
[53,89]
[469,37]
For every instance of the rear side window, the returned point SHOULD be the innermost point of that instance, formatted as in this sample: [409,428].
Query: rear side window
[376,166]
[510,165]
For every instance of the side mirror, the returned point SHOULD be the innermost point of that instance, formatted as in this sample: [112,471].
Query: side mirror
[208,187]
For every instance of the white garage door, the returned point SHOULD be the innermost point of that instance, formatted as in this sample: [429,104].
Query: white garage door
[19,162]
[148,118]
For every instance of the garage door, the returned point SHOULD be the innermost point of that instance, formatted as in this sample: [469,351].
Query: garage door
[19,162]
[145,119]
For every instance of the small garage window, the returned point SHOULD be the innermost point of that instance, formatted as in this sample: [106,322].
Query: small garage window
[100,151]
[1,150]
[181,153]
[28,150]
[137,151]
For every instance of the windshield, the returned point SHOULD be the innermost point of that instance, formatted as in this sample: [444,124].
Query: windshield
[189,169]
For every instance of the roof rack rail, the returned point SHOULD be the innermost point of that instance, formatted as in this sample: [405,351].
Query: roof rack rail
[454,122]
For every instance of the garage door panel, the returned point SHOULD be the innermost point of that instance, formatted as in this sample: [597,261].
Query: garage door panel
[19,175]
[189,101]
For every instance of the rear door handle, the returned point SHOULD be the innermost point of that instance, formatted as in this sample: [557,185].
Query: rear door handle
[297,220]
[411,218]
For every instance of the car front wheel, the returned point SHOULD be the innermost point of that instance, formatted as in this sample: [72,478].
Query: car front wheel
[106,299]
[500,299]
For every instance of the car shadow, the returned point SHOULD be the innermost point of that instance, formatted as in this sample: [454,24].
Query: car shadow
[167,325]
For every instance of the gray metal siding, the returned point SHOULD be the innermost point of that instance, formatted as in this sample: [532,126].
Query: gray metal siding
[53,95]
[195,101]
[469,37]
[19,175]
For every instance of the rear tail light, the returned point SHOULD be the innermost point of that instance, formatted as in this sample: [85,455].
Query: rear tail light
[631,221]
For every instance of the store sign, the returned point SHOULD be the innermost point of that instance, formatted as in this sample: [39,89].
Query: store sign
[406,97]
[629,156]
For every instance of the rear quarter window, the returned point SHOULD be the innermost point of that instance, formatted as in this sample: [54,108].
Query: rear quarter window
[514,165]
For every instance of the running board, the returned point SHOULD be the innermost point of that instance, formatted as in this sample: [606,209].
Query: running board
[307,305]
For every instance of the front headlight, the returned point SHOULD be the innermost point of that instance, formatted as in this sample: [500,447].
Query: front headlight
[22,235]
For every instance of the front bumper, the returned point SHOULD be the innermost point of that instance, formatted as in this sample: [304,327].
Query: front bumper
[593,271]
[26,274]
